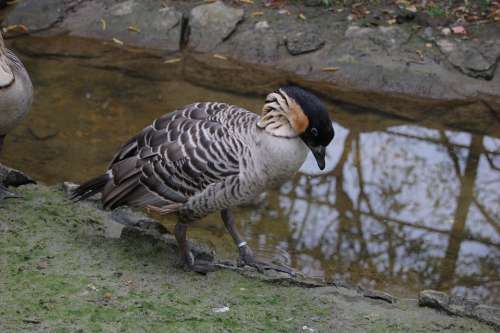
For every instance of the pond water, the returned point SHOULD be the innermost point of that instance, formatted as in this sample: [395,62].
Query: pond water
[400,206]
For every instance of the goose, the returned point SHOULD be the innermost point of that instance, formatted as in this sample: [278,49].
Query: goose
[211,157]
[16,96]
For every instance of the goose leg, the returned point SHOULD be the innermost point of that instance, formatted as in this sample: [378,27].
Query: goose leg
[187,258]
[246,255]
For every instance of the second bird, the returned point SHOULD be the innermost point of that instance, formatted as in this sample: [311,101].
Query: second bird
[209,157]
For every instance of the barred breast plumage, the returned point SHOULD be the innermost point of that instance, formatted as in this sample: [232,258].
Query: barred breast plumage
[16,91]
[208,157]
[180,155]
[16,96]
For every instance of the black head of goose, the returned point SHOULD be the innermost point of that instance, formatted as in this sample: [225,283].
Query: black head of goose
[209,157]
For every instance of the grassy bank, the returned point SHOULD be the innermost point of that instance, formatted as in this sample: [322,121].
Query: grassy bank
[59,273]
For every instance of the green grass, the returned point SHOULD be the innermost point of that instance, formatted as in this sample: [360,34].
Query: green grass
[58,273]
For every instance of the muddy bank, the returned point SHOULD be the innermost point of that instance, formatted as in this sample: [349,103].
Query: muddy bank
[408,70]
[73,267]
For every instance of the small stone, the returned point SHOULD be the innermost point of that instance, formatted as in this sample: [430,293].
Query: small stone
[303,42]
[428,33]
[91,287]
[459,30]
[261,25]
[446,31]
[376,294]
[42,264]
[221,309]
[434,299]
[428,45]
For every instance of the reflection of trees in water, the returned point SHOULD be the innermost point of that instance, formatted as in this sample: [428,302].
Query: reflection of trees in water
[408,203]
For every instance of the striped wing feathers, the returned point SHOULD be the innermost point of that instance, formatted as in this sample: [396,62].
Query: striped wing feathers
[179,155]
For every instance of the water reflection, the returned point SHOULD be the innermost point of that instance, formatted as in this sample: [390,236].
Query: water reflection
[400,206]
[412,204]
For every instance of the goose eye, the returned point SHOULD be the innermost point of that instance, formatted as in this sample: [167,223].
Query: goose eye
[314,131]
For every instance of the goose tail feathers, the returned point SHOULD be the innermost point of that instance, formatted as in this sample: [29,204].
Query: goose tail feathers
[90,187]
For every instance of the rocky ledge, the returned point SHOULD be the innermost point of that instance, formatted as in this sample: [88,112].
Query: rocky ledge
[75,267]
[411,71]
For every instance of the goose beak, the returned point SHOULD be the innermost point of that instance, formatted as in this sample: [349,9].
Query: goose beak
[319,154]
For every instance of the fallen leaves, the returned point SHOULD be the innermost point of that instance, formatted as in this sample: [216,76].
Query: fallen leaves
[302,17]
[255,14]
[117,41]
[172,61]
[420,55]
[219,56]
[457,12]
[329,69]
[133,28]
[16,27]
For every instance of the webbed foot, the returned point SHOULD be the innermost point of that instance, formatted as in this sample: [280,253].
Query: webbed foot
[6,194]
[247,258]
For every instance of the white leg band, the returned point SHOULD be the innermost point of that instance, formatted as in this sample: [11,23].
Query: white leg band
[242,244]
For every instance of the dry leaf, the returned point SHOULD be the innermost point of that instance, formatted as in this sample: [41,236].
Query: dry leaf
[428,45]
[20,27]
[302,17]
[392,21]
[103,24]
[172,61]
[248,2]
[133,28]
[412,8]
[108,296]
[219,56]
[117,41]
[329,69]
[420,54]
[257,14]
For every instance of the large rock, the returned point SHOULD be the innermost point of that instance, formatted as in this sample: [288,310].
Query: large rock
[36,15]
[133,22]
[211,24]
[460,307]
[466,56]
